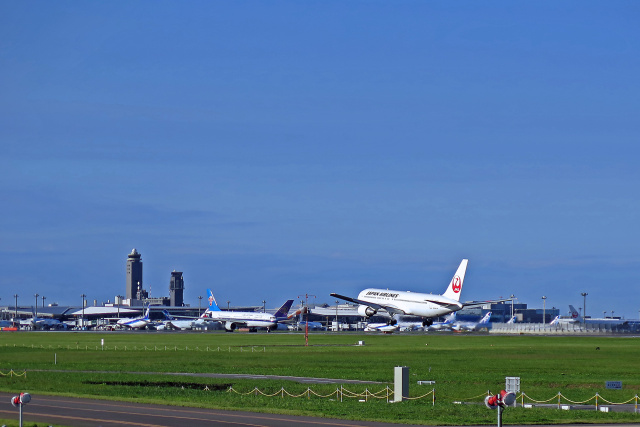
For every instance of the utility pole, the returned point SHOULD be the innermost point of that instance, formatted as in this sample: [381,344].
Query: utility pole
[584,307]
[36,311]
[544,309]
[512,298]
[82,322]
[306,324]
[199,305]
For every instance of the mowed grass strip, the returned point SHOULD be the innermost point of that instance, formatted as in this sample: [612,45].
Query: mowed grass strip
[463,366]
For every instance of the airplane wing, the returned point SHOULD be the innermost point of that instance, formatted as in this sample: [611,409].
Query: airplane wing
[479,303]
[388,308]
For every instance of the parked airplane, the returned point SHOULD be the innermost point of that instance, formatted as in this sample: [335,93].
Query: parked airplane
[180,323]
[185,322]
[381,327]
[443,326]
[427,306]
[576,318]
[311,326]
[460,326]
[41,323]
[135,322]
[512,320]
[231,320]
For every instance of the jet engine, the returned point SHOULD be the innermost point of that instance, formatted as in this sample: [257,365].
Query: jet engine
[230,326]
[365,310]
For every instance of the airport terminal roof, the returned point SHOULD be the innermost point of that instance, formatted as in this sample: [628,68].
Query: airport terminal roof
[103,311]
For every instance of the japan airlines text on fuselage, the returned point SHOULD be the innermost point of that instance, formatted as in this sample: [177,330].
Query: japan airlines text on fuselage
[414,303]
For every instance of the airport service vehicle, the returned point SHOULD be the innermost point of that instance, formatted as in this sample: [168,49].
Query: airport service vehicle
[427,306]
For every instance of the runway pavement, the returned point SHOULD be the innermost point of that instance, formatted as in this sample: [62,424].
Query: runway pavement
[77,412]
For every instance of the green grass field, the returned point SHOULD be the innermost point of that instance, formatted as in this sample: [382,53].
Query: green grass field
[463,366]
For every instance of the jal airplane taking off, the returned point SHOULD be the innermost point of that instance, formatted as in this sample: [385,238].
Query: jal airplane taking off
[427,306]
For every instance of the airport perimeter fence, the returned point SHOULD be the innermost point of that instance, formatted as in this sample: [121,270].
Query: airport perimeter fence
[13,373]
[387,393]
[597,400]
[241,349]
[340,394]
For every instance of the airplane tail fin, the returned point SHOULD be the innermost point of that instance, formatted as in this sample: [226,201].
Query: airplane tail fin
[455,286]
[485,319]
[283,311]
[555,320]
[512,320]
[574,314]
[146,313]
[213,305]
[450,319]
[167,315]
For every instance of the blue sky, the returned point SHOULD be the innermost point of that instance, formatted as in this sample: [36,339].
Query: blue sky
[273,149]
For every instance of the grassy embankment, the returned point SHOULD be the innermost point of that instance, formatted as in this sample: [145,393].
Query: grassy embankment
[464,367]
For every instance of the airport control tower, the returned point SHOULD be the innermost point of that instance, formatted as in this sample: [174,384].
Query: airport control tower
[176,289]
[134,274]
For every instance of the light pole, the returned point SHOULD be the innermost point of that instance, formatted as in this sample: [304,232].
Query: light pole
[544,309]
[604,314]
[612,314]
[43,298]
[584,307]
[264,306]
[337,324]
[16,297]
[512,298]
[82,322]
[199,304]
[228,302]
[36,311]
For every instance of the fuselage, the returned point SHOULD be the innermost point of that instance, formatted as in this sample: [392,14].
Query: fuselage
[411,303]
[247,319]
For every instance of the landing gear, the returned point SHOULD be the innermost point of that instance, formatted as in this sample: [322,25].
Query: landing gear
[427,322]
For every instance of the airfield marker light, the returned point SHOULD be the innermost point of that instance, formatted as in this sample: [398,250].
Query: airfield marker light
[19,401]
[499,401]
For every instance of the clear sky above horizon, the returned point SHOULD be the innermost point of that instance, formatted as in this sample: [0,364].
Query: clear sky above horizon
[273,149]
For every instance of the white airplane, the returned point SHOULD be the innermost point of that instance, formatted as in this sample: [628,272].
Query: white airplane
[312,326]
[185,322]
[180,322]
[461,326]
[135,322]
[381,327]
[427,306]
[443,326]
[41,323]
[576,318]
[232,320]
